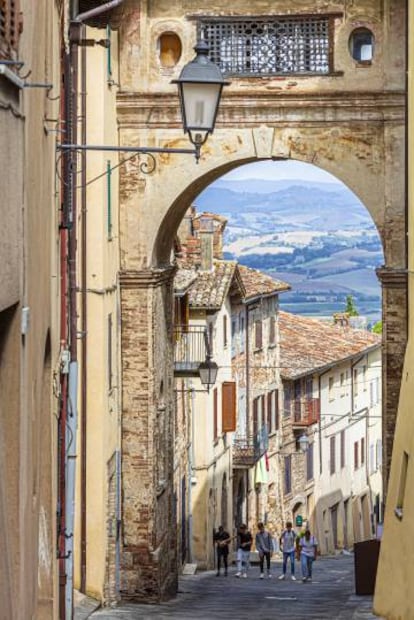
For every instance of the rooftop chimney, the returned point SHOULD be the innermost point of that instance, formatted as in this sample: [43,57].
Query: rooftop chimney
[206,233]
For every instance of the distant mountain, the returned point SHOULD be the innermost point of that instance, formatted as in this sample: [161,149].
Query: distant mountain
[315,205]
[265,186]
[317,235]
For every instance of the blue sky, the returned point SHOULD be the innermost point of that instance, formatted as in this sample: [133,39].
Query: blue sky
[275,170]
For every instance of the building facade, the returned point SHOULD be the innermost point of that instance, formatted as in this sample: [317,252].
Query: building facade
[395,563]
[30,39]
[332,395]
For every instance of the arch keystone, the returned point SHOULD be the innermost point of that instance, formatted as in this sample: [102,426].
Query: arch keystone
[263,141]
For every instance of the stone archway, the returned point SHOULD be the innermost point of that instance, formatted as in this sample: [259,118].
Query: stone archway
[358,141]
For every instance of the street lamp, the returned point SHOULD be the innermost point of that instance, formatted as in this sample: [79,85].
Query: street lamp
[199,87]
[208,372]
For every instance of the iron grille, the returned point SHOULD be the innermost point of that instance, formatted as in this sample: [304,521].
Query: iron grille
[270,46]
[9,27]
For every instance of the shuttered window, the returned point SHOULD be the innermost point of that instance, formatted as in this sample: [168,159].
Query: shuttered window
[255,416]
[333,455]
[228,407]
[270,416]
[258,335]
[288,474]
[9,28]
[356,460]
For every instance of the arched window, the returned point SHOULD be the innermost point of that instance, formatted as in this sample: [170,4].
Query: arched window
[169,49]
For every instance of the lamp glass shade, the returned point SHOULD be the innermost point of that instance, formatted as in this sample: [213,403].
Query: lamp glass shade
[208,372]
[199,104]
[303,442]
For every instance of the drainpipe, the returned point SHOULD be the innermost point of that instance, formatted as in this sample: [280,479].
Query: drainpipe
[71,427]
[84,330]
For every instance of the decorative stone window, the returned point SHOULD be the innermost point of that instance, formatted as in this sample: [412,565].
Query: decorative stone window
[261,46]
[10,28]
[361,45]
[169,49]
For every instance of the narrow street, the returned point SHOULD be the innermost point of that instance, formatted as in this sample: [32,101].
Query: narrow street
[330,596]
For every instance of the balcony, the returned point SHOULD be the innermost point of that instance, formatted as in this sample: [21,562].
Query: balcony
[248,450]
[305,412]
[190,349]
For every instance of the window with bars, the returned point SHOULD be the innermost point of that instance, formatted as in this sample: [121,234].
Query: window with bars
[270,45]
[10,27]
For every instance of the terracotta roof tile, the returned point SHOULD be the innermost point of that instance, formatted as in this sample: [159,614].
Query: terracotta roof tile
[210,288]
[308,345]
[258,283]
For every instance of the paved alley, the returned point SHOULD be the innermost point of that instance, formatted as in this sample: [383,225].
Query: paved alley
[204,596]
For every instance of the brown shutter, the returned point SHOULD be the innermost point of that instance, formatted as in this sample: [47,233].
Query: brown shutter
[228,406]
[276,393]
[255,416]
[270,416]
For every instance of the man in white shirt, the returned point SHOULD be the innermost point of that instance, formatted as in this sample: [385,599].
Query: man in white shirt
[308,546]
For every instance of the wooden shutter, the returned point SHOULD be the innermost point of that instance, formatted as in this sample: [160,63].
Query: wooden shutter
[333,454]
[255,416]
[276,397]
[228,407]
[270,416]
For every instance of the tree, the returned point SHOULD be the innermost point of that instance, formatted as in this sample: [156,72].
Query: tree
[377,327]
[351,309]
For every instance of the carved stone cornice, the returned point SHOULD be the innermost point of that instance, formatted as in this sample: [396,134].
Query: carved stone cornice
[147,278]
[391,277]
[161,110]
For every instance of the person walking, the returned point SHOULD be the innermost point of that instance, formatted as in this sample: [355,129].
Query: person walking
[244,545]
[222,539]
[308,546]
[264,547]
[287,543]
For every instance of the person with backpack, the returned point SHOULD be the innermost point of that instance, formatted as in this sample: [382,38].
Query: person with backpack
[308,546]
[287,543]
[264,547]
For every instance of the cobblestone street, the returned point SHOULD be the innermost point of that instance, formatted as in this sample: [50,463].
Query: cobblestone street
[204,596]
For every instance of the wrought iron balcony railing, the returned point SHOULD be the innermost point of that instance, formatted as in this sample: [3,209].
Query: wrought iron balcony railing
[248,450]
[189,349]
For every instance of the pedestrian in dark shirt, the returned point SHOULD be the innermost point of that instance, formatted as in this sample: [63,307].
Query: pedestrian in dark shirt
[244,544]
[222,539]
[264,547]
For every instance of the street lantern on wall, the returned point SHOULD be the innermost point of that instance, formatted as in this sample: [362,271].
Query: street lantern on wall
[303,442]
[208,372]
[199,88]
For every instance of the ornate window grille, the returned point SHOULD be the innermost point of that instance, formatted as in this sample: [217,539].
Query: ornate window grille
[300,45]
[9,27]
